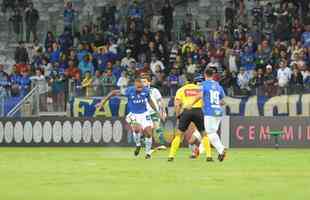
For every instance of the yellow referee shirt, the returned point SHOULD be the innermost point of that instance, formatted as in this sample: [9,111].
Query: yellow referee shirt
[186,95]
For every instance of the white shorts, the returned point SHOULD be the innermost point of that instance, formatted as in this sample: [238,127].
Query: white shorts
[143,119]
[212,124]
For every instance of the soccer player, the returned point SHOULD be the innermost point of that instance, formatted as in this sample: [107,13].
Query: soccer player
[185,115]
[156,117]
[212,96]
[138,96]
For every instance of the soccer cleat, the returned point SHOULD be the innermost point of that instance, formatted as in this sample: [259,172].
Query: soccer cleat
[170,159]
[148,156]
[196,152]
[162,147]
[137,150]
[222,157]
[210,159]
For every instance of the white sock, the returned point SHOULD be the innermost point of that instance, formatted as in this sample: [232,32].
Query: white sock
[197,135]
[137,138]
[192,147]
[201,148]
[148,145]
[216,142]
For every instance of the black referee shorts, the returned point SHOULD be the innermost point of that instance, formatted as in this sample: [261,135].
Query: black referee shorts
[194,115]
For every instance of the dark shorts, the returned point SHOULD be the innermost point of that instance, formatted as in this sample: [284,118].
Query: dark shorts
[194,115]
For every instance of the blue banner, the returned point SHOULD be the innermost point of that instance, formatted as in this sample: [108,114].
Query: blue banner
[285,105]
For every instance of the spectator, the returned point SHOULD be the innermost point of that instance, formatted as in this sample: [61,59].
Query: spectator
[305,38]
[270,82]
[214,63]
[296,82]
[25,83]
[167,13]
[108,82]
[87,84]
[55,54]
[283,75]
[58,92]
[227,81]
[49,40]
[86,66]
[243,79]
[156,65]
[72,70]
[173,81]
[4,80]
[17,22]
[248,60]
[191,67]
[128,59]
[21,54]
[32,18]
[77,85]
[69,14]
[40,81]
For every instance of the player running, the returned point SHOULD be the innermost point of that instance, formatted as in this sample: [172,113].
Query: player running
[186,96]
[157,117]
[138,96]
[212,96]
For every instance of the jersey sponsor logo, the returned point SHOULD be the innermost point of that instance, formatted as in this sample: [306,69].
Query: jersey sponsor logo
[191,92]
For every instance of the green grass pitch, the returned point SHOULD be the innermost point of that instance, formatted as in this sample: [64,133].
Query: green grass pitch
[114,174]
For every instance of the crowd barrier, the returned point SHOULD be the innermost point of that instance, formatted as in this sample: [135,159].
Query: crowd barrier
[235,131]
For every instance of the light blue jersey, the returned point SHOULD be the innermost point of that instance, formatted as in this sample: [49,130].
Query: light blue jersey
[213,93]
[137,102]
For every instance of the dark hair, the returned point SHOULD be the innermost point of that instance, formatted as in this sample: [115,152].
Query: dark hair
[190,78]
[209,72]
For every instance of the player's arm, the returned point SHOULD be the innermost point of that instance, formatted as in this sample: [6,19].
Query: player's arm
[110,95]
[152,104]
[222,96]
[161,105]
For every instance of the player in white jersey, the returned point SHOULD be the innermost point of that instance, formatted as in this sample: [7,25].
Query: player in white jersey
[157,117]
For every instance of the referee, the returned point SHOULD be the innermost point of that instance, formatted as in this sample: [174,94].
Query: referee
[185,96]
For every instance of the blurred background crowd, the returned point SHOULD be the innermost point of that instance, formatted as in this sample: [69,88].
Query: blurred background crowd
[263,50]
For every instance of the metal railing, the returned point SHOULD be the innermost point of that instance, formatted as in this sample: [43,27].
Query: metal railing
[2,100]
[32,98]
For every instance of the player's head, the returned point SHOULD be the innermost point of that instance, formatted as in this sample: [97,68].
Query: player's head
[139,84]
[146,79]
[209,74]
[190,78]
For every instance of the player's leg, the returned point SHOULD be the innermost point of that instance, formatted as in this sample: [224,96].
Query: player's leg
[194,141]
[148,133]
[136,131]
[159,131]
[199,122]
[147,126]
[182,124]
[212,125]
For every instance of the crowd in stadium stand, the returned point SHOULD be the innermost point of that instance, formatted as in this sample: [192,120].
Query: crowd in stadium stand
[267,58]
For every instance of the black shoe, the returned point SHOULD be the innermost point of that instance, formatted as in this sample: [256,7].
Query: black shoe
[170,159]
[210,159]
[222,157]
[148,156]
[137,151]
[193,157]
